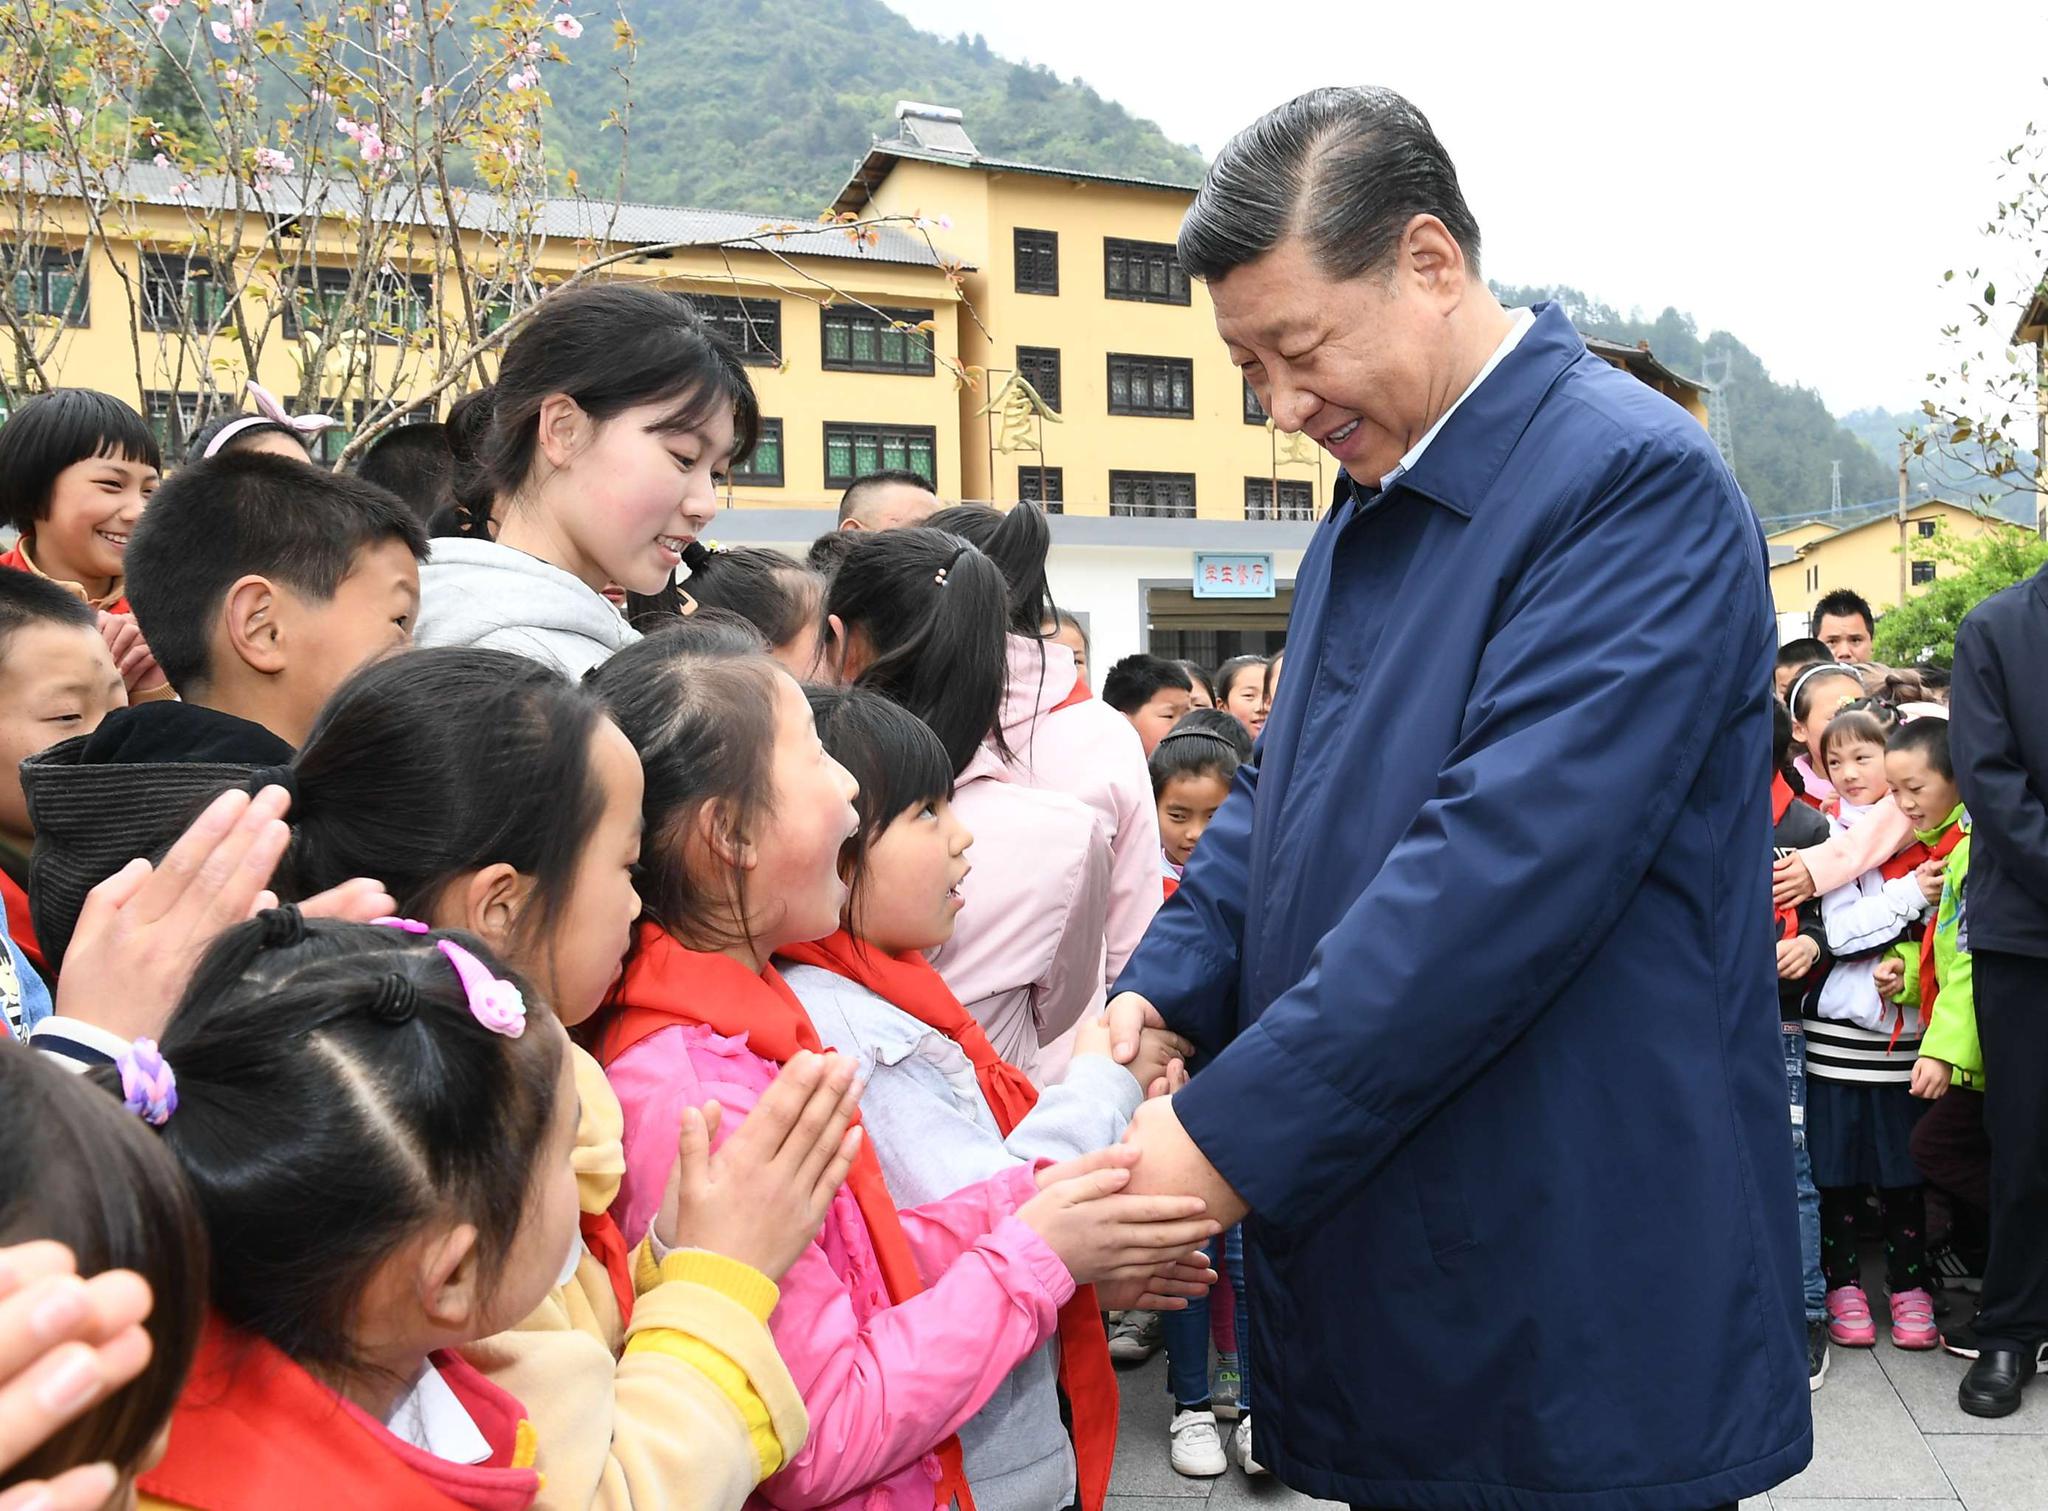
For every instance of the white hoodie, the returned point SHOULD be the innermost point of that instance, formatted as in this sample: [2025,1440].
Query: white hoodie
[477,592]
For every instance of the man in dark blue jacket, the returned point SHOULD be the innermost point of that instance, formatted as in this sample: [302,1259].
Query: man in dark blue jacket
[1998,726]
[1482,944]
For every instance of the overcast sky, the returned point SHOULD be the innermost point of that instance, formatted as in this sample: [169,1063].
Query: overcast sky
[1795,172]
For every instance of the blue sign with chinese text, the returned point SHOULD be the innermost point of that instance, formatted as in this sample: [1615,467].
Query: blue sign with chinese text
[1235,576]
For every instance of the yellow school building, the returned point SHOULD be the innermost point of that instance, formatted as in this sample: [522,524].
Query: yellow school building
[1865,552]
[1099,386]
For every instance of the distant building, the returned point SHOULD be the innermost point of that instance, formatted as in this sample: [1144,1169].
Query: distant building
[1861,551]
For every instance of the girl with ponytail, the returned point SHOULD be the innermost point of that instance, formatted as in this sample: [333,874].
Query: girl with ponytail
[1057,735]
[924,617]
[598,457]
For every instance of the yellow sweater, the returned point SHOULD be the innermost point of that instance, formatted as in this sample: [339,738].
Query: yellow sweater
[691,1407]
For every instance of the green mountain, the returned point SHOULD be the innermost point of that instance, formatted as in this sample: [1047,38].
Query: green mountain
[1784,438]
[768,104]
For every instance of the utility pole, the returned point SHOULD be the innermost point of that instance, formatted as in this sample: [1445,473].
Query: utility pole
[1905,566]
[1835,489]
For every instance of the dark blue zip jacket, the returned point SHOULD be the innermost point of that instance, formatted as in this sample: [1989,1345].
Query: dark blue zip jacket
[1482,946]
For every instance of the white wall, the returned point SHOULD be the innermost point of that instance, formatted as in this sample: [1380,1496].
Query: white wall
[1101,585]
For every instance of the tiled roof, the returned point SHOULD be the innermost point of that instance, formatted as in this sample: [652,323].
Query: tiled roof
[874,167]
[567,218]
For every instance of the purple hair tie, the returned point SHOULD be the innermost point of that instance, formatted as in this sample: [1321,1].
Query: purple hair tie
[410,925]
[148,1089]
[493,1001]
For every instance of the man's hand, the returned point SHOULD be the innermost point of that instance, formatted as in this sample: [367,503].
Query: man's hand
[1796,957]
[1930,1077]
[1169,1161]
[1889,978]
[1128,1015]
[143,930]
[1160,1065]
[1791,882]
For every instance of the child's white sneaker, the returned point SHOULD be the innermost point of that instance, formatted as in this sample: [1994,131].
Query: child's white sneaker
[1197,1446]
[1241,1446]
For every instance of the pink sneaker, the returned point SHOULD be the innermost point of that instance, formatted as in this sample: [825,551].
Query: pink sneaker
[1849,1324]
[1913,1321]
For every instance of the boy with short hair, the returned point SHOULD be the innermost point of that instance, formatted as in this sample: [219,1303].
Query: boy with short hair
[261,583]
[1154,694]
[57,679]
[1793,655]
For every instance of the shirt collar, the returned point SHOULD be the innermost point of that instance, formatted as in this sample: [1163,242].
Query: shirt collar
[1518,327]
[113,592]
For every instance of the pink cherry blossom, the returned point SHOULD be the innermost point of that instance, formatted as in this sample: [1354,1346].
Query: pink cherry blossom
[568,26]
[245,15]
[158,15]
[270,160]
[161,161]
[222,32]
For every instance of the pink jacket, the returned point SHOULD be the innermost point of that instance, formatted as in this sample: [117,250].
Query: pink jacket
[1883,833]
[884,1385]
[1089,751]
[1026,953]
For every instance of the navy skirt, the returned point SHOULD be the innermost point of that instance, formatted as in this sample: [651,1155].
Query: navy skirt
[1861,1135]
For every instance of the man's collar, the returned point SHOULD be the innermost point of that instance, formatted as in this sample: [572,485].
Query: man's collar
[1463,457]
[1519,322]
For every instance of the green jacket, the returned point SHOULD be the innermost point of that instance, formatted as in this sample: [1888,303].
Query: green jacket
[1952,1033]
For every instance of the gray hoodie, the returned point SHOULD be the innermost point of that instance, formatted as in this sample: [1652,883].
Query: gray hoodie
[477,592]
[933,1132]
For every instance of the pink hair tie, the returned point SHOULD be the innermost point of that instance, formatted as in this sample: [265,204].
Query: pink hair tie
[493,1001]
[410,925]
[148,1089]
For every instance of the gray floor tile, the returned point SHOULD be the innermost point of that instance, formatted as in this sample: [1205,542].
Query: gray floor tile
[1146,1502]
[1927,1384]
[1237,1491]
[1782,1503]
[1865,1443]
[1995,1473]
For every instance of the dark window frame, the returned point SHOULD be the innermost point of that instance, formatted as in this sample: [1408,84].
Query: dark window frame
[49,261]
[752,326]
[157,404]
[1118,253]
[882,432]
[771,433]
[1152,369]
[1254,411]
[1131,481]
[1054,500]
[157,268]
[883,321]
[1927,528]
[1032,247]
[340,280]
[1297,499]
[1923,572]
[1033,362]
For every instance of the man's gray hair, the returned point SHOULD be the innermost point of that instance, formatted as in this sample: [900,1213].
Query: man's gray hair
[1344,168]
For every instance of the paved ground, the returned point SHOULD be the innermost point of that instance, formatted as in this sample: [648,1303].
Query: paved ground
[1887,1431]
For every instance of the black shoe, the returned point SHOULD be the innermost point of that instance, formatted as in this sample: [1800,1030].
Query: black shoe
[1992,1387]
[1953,1269]
[1816,1354]
[1960,1338]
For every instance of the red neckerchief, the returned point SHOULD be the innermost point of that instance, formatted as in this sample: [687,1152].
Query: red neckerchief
[608,1246]
[910,983]
[665,985]
[1079,694]
[21,928]
[1782,798]
[1930,987]
[253,1431]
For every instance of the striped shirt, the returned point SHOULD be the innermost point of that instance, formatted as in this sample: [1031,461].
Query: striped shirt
[1843,1052]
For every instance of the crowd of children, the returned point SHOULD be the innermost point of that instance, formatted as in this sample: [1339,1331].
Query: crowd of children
[553,1013]
[1882,1058]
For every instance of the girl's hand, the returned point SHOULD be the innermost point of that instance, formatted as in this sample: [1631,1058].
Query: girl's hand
[65,1345]
[1930,1077]
[1791,882]
[1929,874]
[1167,1289]
[1161,1064]
[131,653]
[1796,957]
[1101,1235]
[143,930]
[1888,978]
[763,1196]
